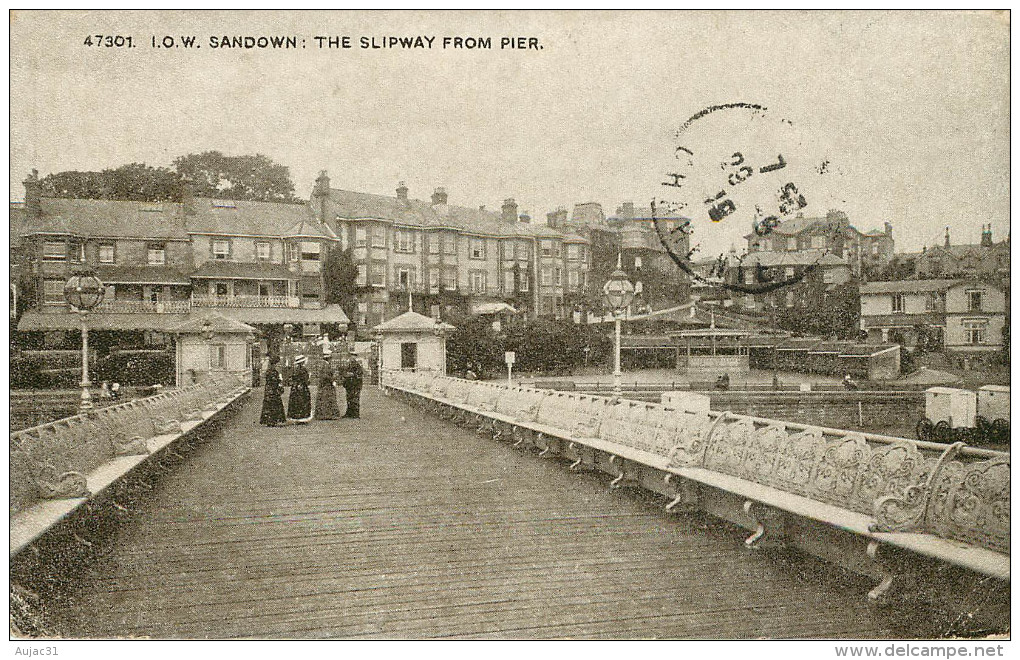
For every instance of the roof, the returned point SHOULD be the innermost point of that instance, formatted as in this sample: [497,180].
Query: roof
[105,217]
[214,321]
[494,308]
[410,322]
[346,204]
[248,218]
[771,259]
[140,275]
[906,286]
[277,315]
[34,320]
[264,270]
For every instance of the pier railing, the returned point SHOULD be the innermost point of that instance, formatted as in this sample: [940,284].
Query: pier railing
[790,483]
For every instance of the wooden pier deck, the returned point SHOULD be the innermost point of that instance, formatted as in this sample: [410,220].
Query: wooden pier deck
[399,525]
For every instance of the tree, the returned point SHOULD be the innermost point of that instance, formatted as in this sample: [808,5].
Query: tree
[213,174]
[340,275]
[135,181]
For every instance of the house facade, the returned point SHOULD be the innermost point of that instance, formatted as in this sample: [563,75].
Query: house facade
[256,262]
[444,257]
[962,316]
[833,234]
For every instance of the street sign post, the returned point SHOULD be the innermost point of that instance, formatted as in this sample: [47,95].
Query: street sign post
[510,357]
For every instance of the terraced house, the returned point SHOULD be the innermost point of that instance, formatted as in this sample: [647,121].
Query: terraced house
[444,257]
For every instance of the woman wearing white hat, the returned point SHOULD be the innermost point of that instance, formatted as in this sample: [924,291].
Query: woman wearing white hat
[299,406]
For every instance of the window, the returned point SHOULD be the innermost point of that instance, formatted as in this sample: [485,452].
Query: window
[524,250]
[547,248]
[218,356]
[558,276]
[975,330]
[450,279]
[477,248]
[637,262]
[508,282]
[433,243]
[378,274]
[379,236]
[405,278]
[974,301]
[360,237]
[791,243]
[546,276]
[573,252]
[898,303]
[220,249]
[433,281]
[557,248]
[790,272]
[157,254]
[583,252]
[874,249]
[310,251]
[522,283]
[220,288]
[53,291]
[818,242]
[572,280]
[106,253]
[405,241]
[54,251]
[450,244]
[548,305]
[362,275]
[478,281]
[262,251]
[265,289]
[293,252]
[77,251]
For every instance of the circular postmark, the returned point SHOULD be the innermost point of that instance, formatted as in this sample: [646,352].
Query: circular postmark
[733,178]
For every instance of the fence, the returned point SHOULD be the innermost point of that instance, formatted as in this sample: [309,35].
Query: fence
[788,482]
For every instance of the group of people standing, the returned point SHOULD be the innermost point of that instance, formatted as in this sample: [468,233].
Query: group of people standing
[349,373]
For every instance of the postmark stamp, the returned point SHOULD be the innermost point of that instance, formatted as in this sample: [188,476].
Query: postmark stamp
[735,173]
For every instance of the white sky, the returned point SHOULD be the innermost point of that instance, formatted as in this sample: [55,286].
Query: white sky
[912,109]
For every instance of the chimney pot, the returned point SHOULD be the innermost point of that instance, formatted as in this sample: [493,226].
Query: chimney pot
[509,210]
[439,196]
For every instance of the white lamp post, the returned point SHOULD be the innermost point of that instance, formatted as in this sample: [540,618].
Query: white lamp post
[617,295]
[83,291]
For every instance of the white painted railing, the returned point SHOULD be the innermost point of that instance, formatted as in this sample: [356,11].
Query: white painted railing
[200,300]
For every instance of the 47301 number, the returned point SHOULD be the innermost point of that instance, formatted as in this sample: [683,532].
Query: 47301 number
[109,41]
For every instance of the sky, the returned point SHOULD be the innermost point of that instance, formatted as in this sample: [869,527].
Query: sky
[910,111]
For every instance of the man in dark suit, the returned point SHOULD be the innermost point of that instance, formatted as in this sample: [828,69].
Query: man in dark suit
[354,375]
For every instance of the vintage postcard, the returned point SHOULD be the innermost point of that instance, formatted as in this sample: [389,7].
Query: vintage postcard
[511,325]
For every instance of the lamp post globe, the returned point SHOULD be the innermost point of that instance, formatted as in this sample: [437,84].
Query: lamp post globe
[83,291]
[618,293]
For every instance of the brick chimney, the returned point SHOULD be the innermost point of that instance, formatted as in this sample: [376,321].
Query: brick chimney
[558,218]
[402,191]
[509,210]
[626,211]
[33,195]
[188,196]
[439,197]
[947,236]
[986,235]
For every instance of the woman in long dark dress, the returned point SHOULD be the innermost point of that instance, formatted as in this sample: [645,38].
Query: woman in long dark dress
[299,405]
[272,402]
[326,406]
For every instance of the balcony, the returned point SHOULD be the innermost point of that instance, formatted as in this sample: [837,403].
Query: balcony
[144,307]
[252,302]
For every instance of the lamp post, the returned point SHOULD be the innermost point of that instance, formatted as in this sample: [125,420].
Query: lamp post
[618,293]
[83,291]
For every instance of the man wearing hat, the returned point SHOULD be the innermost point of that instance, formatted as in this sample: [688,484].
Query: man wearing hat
[299,406]
[354,374]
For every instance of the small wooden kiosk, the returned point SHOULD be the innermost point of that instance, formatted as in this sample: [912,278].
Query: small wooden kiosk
[412,341]
[210,343]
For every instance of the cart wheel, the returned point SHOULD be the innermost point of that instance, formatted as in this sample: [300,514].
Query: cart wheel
[924,430]
[943,432]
